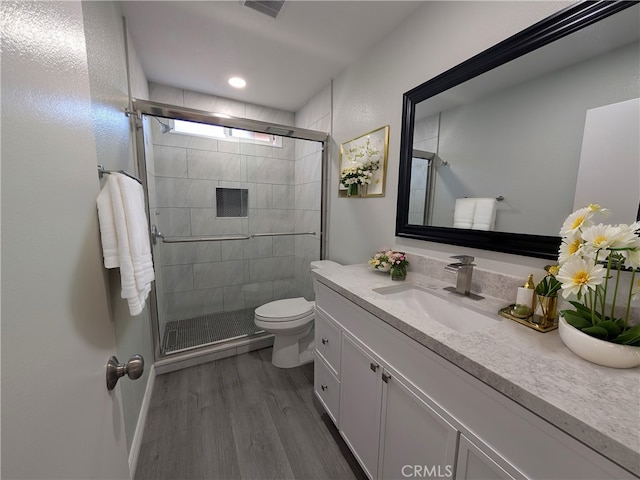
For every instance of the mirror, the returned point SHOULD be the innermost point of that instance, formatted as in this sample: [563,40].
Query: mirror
[509,127]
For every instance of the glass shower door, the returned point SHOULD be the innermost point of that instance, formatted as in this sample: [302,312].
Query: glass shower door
[239,218]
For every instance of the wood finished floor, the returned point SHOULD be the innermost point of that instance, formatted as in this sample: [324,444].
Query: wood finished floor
[241,418]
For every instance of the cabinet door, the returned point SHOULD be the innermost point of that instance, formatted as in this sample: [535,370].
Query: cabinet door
[360,401]
[479,462]
[415,440]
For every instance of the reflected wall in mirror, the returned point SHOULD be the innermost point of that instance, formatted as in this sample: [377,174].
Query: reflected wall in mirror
[512,122]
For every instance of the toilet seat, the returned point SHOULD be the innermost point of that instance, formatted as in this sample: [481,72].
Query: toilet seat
[287,310]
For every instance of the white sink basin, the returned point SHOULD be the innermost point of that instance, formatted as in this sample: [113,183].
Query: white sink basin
[449,313]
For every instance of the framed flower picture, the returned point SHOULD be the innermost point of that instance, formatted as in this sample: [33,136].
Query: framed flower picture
[363,164]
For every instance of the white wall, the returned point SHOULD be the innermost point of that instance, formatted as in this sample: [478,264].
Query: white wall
[104,36]
[368,95]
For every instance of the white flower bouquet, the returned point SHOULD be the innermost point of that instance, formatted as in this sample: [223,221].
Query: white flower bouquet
[363,160]
[592,258]
[355,173]
[381,260]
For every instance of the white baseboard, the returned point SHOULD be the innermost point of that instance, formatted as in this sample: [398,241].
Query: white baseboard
[136,443]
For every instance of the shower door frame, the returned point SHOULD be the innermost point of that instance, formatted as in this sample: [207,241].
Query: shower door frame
[173,112]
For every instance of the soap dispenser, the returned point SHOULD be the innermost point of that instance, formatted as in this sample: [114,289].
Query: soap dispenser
[525,294]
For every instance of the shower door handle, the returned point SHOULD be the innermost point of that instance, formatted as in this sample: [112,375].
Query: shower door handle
[133,368]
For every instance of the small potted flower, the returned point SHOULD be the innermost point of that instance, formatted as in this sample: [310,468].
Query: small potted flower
[399,264]
[390,261]
[380,261]
[593,259]
[547,296]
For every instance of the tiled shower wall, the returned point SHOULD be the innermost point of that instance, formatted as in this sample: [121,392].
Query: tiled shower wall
[207,277]
[315,115]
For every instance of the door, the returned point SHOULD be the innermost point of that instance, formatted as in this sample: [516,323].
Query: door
[360,402]
[610,140]
[416,441]
[58,419]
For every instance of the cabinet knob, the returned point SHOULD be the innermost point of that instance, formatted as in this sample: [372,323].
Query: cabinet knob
[386,377]
[374,367]
[323,387]
[325,341]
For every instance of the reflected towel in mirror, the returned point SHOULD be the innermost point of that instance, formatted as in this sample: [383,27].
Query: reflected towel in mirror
[465,209]
[484,217]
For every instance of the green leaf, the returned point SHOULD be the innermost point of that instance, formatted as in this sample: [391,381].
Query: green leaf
[613,330]
[581,308]
[619,322]
[596,331]
[575,319]
[630,337]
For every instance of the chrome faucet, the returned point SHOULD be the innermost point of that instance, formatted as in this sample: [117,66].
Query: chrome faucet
[464,269]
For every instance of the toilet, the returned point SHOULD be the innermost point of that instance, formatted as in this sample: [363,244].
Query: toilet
[291,322]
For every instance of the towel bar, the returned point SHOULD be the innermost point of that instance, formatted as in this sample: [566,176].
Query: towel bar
[102,171]
[280,234]
[155,234]
[203,239]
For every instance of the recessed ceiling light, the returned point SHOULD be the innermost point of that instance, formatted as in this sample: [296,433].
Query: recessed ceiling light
[237,82]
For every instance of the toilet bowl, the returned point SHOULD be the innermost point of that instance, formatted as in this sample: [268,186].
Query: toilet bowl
[291,322]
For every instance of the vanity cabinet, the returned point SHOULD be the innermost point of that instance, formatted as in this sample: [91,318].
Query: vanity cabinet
[476,462]
[389,424]
[406,412]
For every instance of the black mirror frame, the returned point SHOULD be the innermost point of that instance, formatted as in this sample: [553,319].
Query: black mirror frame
[556,26]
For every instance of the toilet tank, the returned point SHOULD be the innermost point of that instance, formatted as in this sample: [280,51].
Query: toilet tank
[323,264]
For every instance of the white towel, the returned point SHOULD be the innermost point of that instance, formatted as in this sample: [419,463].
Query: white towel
[107,228]
[463,213]
[484,217]
[127,218]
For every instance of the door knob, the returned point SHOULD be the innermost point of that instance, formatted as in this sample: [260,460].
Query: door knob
[133,368]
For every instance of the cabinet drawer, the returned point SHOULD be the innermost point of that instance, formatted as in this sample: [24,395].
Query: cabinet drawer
[327,388]
[328,341]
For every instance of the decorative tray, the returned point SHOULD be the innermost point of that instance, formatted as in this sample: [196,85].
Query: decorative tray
[532,320]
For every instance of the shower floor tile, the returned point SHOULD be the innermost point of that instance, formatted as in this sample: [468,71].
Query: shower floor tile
[209,329]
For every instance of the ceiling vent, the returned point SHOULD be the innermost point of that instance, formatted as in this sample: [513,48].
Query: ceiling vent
[271,8]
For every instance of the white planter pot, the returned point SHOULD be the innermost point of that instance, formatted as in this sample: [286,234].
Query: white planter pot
[384,269]
[598,351]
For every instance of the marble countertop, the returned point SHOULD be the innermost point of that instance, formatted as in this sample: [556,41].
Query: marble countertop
[597,405]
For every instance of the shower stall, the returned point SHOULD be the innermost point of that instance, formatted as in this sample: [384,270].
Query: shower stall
[236,213]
